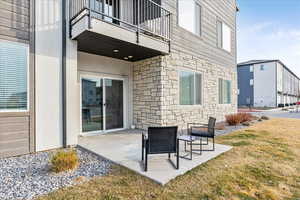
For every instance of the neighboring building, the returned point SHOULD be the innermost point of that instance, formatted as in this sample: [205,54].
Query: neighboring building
[70,68]
[267,83]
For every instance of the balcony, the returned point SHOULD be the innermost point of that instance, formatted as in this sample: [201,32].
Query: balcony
[124,29]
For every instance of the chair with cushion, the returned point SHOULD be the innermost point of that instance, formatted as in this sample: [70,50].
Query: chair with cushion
[160,140]
[203,131]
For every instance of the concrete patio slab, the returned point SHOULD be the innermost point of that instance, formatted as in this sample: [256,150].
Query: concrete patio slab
[124,148]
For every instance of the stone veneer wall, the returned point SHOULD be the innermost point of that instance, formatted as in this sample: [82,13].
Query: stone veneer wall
[147,93]
[156,91]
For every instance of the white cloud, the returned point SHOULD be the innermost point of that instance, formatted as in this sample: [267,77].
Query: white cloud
[269,40]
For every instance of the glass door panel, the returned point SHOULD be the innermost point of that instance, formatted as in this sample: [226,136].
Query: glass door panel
[114,105]
[92,104]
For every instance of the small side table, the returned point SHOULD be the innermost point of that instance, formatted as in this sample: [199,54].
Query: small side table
[187,139]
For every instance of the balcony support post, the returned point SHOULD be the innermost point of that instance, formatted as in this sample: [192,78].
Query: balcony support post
[138,22]
[169,34]
[90,14]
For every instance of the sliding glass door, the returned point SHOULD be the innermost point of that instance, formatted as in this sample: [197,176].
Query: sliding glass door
[114,104]
[102,104]
[92,104]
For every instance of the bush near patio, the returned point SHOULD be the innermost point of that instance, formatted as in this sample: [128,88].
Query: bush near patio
[264,164]
[238,118]
[64,160]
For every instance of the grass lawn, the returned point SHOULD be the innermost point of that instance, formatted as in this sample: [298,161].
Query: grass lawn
[264,164]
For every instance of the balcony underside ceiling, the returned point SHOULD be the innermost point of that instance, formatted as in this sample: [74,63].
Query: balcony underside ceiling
[94,43]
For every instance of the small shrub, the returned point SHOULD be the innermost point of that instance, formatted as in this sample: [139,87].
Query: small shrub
[245,117]
[254,117]
[238,118]
[64,160]
[265,118]
[233,119]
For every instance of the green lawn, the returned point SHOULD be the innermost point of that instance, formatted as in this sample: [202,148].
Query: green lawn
[264,164]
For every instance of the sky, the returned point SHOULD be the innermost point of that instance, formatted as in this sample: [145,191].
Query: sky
[269,29]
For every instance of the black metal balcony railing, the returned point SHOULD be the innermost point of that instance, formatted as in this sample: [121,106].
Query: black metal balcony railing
[143,16]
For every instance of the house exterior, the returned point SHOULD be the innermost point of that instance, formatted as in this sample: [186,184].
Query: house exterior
[82,67]
[267,83]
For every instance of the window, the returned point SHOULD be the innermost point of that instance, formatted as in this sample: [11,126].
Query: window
[190,88]
[13,76]
[251,68]
[262,68]
[224,91]
[189,16]
[251,82]
[223,36]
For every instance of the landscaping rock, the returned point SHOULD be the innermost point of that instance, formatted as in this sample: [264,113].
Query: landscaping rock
[229,129]
[265,117]
[28,176]
[246,123]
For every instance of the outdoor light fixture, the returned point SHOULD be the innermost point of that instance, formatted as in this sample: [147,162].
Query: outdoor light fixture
[130,56]
[116,51]
[125,58]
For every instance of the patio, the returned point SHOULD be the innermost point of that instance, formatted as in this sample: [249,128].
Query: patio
[124,148]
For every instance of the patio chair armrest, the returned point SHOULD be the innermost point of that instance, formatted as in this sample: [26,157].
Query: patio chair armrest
[144,135]
[197,124]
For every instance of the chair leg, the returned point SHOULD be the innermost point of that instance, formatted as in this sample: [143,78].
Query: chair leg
[191,150]
[143,146]
[177,156]
[146,161]
[169,155]
[200,146]
[143,151]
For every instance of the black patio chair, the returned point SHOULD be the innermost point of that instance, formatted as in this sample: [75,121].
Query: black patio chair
[196,129]
[160,140]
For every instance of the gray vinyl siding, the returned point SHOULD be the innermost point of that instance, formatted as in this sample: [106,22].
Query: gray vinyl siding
[205,46]
[245,89]
[14,20]
[17,129]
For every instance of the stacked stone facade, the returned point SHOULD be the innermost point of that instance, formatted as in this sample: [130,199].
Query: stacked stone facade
[156,91]
[147,93]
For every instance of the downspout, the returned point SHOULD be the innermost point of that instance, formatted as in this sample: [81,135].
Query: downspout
[64,74]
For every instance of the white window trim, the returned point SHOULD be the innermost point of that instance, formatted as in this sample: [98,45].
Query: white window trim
[27,78]
[251,68]
[222,36]
[195,26]
[202,88]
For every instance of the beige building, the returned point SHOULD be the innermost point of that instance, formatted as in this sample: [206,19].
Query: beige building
[97,66]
